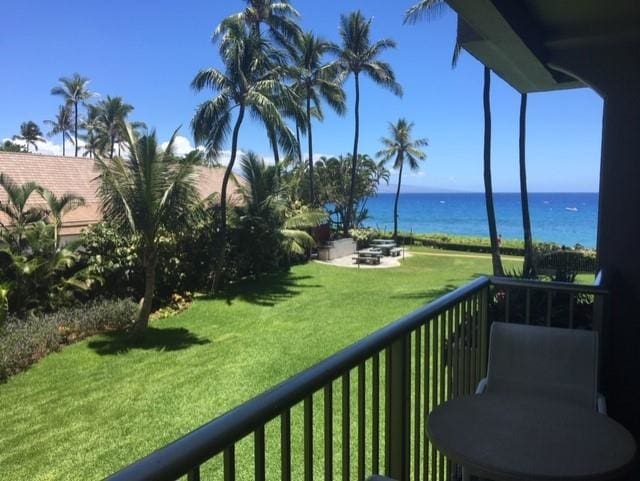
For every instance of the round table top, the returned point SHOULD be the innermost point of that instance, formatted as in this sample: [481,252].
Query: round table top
[509,437]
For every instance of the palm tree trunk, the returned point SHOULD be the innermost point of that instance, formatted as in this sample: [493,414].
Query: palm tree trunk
[528,267]
[395,205]
[63,152]
[273,140]
[488,188]
[298,141]
[75,129]
[312,196]
[150,259]
[223,203]
[354,160]
[56,227]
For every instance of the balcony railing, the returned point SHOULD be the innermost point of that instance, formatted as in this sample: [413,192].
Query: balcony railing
[362,411]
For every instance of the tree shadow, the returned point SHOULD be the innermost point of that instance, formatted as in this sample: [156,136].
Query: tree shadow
[426,294]
[166,339]
[267,290]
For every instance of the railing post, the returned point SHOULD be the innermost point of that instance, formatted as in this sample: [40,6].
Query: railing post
[398,423]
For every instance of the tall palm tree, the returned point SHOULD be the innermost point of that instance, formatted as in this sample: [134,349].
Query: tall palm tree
[280,19]
[74,90]
[358,55]
[488,184]
[431,9]
[252,75]
[30,133]
[146,194]
[57,207]
[15,208]
[61,125]
[278,16]
[402,148]
[316,81]
[528,268]
[108,118]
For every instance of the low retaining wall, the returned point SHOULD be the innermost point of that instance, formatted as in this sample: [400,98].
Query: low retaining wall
[337,248]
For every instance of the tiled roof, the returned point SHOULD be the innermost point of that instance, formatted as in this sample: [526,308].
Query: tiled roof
[76,175]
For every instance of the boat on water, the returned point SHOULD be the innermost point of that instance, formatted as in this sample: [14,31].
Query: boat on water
[571,209]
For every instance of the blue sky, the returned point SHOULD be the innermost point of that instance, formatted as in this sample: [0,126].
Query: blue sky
[148,52]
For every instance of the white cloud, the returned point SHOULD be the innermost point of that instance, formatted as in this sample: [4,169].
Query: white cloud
[50,148]
[181,145]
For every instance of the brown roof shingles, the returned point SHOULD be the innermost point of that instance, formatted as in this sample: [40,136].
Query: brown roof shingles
[77,175]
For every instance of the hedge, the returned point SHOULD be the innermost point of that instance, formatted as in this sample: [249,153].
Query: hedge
[24,341]
[549,255]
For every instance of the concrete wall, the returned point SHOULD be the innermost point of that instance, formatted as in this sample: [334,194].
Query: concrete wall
[337,248]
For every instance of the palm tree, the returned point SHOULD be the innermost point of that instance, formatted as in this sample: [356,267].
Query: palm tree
[15,208]
[30,133]
[61,125]
[145,195]
[252,74]
[108,118]
[58,207]
[405,149]
[278,16]
[74,90]
[432,9]
[488,184]
[528,268]
[355,56]
[316,81]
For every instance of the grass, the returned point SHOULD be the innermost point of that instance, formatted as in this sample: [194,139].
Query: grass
[96,406]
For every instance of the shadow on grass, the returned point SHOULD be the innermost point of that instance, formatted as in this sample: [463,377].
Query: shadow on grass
[167,339]
[427,295]
[267,290]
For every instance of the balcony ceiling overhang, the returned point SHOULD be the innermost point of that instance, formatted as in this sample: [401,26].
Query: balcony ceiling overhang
[520,39]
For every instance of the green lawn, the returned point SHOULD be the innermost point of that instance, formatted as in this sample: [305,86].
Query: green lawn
[95,406]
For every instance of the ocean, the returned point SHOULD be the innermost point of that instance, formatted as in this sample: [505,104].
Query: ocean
[565,218]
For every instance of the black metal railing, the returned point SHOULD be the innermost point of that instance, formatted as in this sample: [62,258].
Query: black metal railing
[359,412]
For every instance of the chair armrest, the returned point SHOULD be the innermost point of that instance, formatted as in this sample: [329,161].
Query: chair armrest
[601,404]
[482,386]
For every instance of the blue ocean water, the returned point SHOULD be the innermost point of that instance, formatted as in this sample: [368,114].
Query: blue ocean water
[565,218]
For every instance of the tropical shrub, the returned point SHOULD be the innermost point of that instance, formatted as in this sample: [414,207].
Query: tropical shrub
[333,186]
[363,236]
[23,341]
[187,259]
[39,278]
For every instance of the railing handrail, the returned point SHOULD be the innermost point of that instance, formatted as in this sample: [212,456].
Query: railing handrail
[175,459]
[595,288]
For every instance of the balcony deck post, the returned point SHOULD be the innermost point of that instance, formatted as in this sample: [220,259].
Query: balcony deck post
[398,418]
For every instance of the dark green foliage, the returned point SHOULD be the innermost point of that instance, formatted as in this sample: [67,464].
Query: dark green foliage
[256,246]
[566,263]
[187,259]
[40,278]
[24,341]
[334,186]
[9,146]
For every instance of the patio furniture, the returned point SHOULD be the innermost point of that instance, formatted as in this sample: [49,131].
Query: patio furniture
[537,415]
[507,437]
[385,245]
[395,251]
[368,256]
[555,363]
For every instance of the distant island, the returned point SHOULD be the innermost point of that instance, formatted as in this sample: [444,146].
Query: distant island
[417,189]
